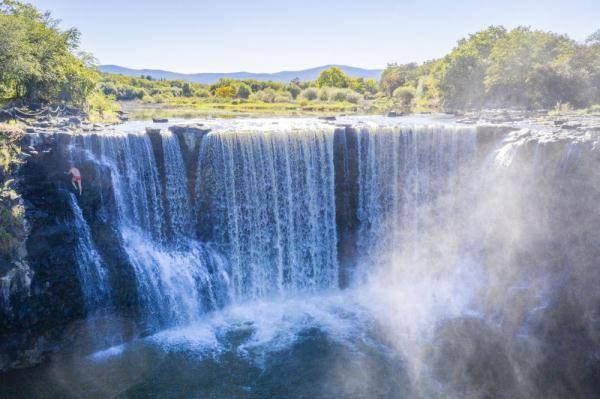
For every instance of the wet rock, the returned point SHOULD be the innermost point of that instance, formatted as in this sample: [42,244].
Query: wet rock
[152,130]
[5,116]
[160,120]
[327,118]
[571,126]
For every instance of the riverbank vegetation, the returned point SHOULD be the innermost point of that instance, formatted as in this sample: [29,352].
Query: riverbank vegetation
[332,92]
[40,63]
[496,68]
[11,211]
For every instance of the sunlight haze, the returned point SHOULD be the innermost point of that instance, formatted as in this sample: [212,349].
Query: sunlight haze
[268,36]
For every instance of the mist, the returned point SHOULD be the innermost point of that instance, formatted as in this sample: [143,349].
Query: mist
[489,289]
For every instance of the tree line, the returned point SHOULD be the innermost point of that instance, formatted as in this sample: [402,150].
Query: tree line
[39,62]
[494,68]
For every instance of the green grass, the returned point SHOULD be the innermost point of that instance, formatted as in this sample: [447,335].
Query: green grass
[187,108]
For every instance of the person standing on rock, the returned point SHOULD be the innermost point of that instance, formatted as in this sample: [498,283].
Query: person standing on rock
[75,178]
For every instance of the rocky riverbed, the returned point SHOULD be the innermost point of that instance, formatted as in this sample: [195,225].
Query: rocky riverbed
[572,121]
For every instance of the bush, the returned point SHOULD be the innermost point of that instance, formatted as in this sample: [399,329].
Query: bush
[283,97]
[324,94]
[11,213]
[225,92]
[353,97]
[244,91]
[294,90]
[202,93]
[404,95]
[101,105]
[309,94]
[267,96]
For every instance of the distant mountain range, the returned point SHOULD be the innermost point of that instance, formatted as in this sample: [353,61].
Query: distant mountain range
[209,78]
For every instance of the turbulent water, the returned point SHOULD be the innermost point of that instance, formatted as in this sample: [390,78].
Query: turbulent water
[469,249]
[93,275]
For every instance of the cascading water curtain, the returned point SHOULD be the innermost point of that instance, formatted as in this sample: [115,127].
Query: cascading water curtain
[267,199]
[404,173]
[93,275]
[176,189]
[174,285]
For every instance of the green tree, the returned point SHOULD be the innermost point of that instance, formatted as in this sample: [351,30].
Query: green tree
[594,38]
[38,61]
[465,68]
[243,91]
[186,90]
[333,77]
[531,69]
[395,76]
[294,90]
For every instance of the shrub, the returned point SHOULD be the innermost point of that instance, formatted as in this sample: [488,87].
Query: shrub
[353,97]
[283,97]
[100,104]
[244,91]
[225,92]
[202,93]
[324,94]
[267,96]
[309,94]
[11,214]
[404,95]
[294,90]
[337,95]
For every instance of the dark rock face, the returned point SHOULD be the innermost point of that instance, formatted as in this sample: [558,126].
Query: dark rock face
[55,295]
[34,323]
[38,318]
[190,139]
[345,159]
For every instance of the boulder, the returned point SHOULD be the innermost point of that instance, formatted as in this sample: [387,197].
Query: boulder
[74,121]
[394,114]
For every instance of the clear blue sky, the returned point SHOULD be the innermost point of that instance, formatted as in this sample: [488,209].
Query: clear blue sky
[268,35]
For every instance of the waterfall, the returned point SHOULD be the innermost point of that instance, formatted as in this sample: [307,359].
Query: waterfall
[175,283]
[93,275]
[263,221]
[135,180]
[403,171]
[176,189]
[269,197]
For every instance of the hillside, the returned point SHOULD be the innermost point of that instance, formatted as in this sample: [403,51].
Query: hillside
[210,78]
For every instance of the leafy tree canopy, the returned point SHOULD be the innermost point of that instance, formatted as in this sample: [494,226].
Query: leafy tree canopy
[39,62]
